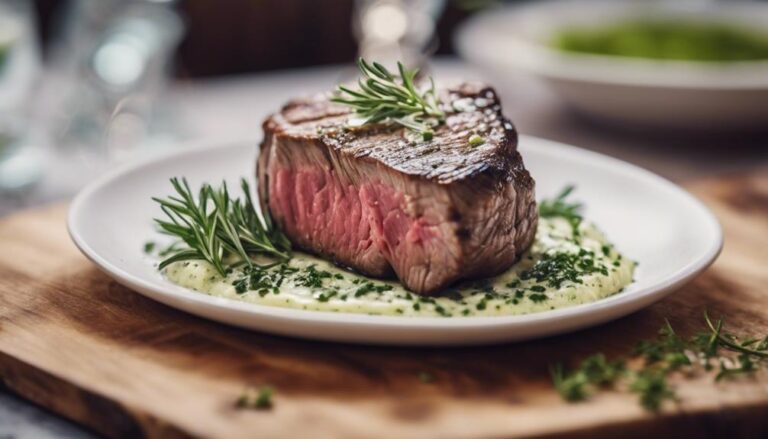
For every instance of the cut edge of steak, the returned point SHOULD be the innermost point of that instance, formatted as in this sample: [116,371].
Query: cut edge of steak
[378,201]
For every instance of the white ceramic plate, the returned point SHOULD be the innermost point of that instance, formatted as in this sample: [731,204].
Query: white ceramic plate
[671,234]
[680,94]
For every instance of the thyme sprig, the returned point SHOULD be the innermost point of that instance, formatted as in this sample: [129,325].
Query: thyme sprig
[217,228]
[660,357]
[383,96]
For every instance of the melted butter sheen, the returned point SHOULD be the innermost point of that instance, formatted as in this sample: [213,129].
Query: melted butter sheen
[561,269]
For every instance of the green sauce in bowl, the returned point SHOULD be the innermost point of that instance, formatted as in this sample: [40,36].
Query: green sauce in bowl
[667,40]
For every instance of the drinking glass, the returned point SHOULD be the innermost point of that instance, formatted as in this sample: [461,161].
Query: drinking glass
[115,56]
[397,30]
[21,154]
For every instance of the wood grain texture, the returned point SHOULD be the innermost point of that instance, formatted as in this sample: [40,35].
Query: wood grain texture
[80,344]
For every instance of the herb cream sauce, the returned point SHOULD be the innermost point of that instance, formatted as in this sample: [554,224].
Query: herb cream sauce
[568,264]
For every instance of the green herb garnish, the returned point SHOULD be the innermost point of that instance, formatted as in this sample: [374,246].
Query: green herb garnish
[383,96]
[219,229]
[252,398]
[554,269]
[560,207]
[312,277]
[652,388]
[660,357]
[475,140]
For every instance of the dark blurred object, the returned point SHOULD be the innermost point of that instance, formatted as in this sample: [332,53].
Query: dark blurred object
[234,36]
[237,36]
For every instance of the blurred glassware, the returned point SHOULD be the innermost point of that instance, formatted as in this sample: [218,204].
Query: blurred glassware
[116,55]
[21,155]
[397,30]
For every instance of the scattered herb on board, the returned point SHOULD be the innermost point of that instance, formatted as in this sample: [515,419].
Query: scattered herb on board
[657,359]
[217,228]
[253,398]
[383,96]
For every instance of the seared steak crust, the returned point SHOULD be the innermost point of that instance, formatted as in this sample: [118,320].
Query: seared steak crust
[382,201]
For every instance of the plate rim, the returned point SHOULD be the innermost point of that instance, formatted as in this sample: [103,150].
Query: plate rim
[616,302]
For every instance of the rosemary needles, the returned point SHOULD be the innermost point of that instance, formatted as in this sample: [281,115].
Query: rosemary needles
[383,96]
[219,229]
[658,358]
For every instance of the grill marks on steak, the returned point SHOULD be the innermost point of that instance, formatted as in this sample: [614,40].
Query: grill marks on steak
[429,213]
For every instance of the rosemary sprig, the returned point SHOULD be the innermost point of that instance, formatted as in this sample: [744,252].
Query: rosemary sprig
[660,357]
[731,342]
[216,228]
[561,207]
[381,97]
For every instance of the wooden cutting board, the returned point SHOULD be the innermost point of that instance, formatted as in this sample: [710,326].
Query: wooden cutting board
[91,350]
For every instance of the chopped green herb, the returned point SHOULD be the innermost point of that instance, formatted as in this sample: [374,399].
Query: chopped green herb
[555,269]
[661,356]
[312,277]
[572,387]
[651,385]
[475,140]
[442,311]
[599,371]
[252,398]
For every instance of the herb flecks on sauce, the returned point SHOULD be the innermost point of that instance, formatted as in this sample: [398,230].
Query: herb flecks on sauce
[553,274]
[570,262]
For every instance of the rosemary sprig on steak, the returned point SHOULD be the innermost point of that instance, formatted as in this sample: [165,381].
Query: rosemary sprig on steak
[219,229]
[383,97]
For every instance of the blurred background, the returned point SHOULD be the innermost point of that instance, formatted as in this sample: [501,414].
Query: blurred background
[88,84]
[679,86]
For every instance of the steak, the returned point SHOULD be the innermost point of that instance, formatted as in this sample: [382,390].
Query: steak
[381,200]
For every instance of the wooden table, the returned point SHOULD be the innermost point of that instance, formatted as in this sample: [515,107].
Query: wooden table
[80,344]
[73,341]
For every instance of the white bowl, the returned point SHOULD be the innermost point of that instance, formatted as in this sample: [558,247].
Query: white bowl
[681,94]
